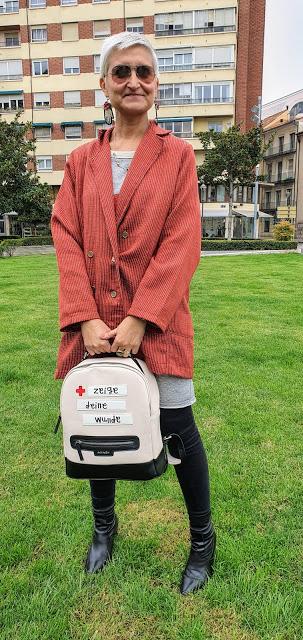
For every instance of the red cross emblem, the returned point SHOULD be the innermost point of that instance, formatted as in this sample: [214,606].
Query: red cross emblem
[80,391]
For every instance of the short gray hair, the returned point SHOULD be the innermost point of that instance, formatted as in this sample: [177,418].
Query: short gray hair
[124,40]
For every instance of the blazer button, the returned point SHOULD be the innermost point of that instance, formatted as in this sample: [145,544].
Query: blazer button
[90,254]
[124,234]
[113,293]
[113,260]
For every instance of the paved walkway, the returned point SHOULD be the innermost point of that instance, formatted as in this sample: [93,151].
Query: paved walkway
[46,249]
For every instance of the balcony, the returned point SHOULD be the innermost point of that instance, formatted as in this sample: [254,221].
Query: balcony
[160,33]
[9,39]
[287,176]
[193,67]
[279,150]
[13,76]
[271,206]
[185,100]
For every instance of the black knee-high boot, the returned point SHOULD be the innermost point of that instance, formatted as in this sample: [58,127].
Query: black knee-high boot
[193,478]
[106,524]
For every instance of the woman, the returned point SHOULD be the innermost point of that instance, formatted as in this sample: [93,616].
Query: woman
[126,226]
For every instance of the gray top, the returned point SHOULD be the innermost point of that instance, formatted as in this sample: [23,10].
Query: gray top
[175,392]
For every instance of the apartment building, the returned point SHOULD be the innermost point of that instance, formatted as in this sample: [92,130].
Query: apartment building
[210,56]
[283,165]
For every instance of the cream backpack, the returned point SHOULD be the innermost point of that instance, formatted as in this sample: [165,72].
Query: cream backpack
[111,421]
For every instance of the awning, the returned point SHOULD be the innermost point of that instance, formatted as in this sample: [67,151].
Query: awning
[215,213]
[72,124]
[11,93]
[42,124]
[99,122]
[175,119]
[250,214]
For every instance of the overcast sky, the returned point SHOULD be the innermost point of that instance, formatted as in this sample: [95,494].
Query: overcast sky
[283,54]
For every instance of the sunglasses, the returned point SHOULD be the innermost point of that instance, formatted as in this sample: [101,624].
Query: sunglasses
[122,72]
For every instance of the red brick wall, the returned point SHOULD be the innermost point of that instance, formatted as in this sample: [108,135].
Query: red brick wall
[87,64]
[23,33]
[85,29]
[250,45]
[55,66]
[57,99]
[26,67]
[54,32]
[148,24]
[58,163]
[88,97]
[88,130]
[57,132]
[117,25]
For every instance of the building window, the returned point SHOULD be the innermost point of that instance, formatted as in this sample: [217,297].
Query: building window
[213,92]
[281,144]
[269,172]
[215,126]
[39,34]
[9,39]
[175,93]
[37,4]
[73,132]
[292,139]
[212,57]
[99,1]
[71,66]
[72,98]
[135,25]
[70,31]
[40,67]
[288,197]
[97,63]
[100,98]
[101,28]
[180,128]
[278,198]
[266,225]
[66,3]
[101,127]
[9,6]
[11,70]
[44,163]
[11,103]
[280,166]
[186,22]
[43,133]
[268,199]
[41,100]
[173,23]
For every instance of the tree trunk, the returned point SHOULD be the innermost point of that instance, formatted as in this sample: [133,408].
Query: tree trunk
[230,212]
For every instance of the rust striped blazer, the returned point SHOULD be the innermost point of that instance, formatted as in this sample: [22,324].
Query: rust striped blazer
[139,261]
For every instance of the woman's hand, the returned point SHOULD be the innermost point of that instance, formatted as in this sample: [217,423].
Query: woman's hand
[128,335]
[93,332]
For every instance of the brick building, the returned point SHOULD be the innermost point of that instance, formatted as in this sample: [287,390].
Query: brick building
[210,56]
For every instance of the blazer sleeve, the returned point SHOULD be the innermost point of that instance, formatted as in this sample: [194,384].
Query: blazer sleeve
[76,300]
[170,271]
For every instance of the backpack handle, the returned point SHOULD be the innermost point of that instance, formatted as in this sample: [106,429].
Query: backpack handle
[112,355]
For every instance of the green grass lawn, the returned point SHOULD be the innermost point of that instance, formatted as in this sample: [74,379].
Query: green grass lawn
[248,380]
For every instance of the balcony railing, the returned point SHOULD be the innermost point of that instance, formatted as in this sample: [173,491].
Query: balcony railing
[282,177]
[17,76]
[164,101]
[192,67]
[279,150]
[194,30]
[9,43]
[272,206]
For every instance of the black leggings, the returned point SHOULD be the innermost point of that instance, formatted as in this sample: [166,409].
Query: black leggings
[192,473]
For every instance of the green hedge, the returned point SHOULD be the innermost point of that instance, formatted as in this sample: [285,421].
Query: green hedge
[8,238]
[36,240]
[245,245]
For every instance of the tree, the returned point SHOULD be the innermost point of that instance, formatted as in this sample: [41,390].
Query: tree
[20,186]
[230,159]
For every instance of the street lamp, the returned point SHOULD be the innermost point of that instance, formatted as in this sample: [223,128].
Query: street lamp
[203,189]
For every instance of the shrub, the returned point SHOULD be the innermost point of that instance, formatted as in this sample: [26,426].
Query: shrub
[283,231]
[9,247]
[36,240]
[245,245]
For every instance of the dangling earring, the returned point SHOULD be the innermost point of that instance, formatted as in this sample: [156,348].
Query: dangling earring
[157,105]
[108,112]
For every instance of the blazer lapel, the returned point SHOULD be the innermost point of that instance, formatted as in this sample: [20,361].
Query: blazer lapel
[147,152]
[101,165]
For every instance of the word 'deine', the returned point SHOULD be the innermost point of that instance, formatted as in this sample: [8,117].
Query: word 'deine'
[109,418]
[108,390]
[100,405]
